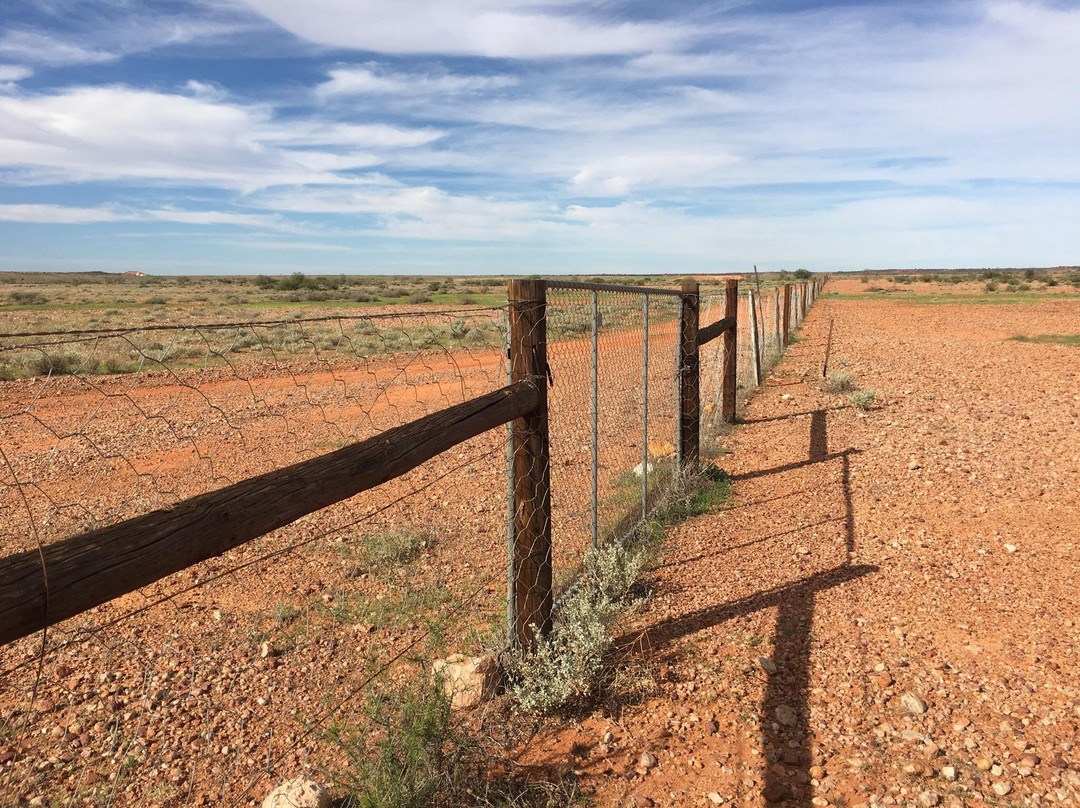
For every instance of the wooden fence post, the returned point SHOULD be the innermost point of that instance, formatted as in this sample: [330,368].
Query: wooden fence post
[731,309]
[754,342]
[531,465]
[689,379]
[787,315]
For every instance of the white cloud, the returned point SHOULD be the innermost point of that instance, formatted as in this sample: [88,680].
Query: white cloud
[99,31]
[39,48]
[514,28]
[14,73]
[61,214]
[122,133]
[616,176]
[346,81]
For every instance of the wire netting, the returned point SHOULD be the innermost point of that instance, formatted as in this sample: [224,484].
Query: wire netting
[754,349]
[219,681]
[631,422]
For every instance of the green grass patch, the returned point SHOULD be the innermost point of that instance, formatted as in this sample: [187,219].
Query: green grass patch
[1049,339]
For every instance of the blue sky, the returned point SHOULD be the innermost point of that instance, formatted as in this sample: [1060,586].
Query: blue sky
[519,137]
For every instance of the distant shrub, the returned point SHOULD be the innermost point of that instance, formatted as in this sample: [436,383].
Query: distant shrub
[803,274]
[434,286]
[28,298]
[862,399]
[990,286]
[418,297]
[839,383]
[58,364]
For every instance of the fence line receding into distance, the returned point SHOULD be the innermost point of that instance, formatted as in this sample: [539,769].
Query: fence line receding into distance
[354,463]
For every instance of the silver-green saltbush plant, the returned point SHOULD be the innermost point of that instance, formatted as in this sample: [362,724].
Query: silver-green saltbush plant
[567,661]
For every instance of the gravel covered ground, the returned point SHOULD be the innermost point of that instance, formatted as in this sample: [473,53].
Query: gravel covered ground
[889,613]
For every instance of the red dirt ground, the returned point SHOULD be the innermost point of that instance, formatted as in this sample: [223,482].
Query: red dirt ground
[930,546]
[865,553]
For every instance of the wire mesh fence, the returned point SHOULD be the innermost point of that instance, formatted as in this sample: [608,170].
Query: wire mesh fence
[201,688]
[204,687]
[612,408]
[759,341]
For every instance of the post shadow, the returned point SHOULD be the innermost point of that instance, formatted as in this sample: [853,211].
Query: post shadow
[785,727]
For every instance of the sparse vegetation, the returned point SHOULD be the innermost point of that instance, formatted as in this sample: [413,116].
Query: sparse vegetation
[414,755]
[1049,339]
[839,383]
[387,551]
[862,399]
[566,663]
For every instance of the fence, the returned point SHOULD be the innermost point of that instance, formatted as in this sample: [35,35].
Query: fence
[152,472]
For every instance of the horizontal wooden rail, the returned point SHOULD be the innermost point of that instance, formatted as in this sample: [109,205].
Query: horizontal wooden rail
[87,570]
[711,332]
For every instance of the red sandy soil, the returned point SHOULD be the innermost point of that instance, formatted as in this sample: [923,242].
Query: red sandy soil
[911,572]
[179,702]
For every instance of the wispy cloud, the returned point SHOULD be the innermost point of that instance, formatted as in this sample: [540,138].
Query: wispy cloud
[121,133]
[512,29]
[61,214]
[374,80]
[611,133]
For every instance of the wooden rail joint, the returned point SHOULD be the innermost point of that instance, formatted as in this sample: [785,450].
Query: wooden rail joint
[717,329]
[41,588]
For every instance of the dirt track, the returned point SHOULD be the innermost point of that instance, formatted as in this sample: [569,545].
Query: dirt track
[928,547]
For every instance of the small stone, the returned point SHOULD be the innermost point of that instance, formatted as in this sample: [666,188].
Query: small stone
[1001,787]
[997,770]
[913,703]
[820,802]
[641,801]
[715,798]
[928,799]
[266,650]
[766,664]
[298,793]
[1011,548]
[948,772]
[711,727]
[786,715]
[816,772]
[983,764]
[647,761]
[468,681]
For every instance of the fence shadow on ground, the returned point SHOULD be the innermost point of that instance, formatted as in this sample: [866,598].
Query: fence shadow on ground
[785,706]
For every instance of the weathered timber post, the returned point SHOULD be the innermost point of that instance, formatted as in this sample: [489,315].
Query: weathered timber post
[776,317]
[689,378]
[754,343]
[731,309]
[531,465]
[787,315]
